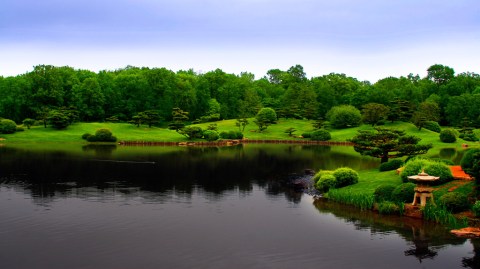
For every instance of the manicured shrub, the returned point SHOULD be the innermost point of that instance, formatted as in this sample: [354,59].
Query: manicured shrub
[7,126]
[19,129]
[390,165]
[231,135]
[471,163]
[469,137]
[320,174]
[101,135]
[344,116]
[321,135]
[433,168]
[403,193]
[476,209]
[85,136]
[326,182]
[454,201]
[448,136]
[267,114]
[345,176]
[388,208]
[383,193]
[441,170]
[432,126]
[307,135]
[211,135]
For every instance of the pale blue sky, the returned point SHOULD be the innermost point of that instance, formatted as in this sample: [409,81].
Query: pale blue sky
[368,40]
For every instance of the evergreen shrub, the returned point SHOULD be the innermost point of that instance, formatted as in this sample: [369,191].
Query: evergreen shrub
[345,176]
[448,136]
[7,126]
[454,201]
[390,165]
[403,193]
[321,135]
[320,174]
[211,135]
[326,182]
[432,126]
[383,193]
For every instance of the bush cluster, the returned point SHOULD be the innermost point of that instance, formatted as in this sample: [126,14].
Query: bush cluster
[341,177]
[454,201]
[7,126]
[403,193]
[448,136]
[344,116]
[431,167]
[476,209]
[307,135]
[383,193]
[345,176]
[432,126]
[211,135]
[321,135]
[469,137]
[391,165]
[231,135]
[101,135]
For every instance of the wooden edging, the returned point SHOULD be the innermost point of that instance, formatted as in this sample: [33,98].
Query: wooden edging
[234,142]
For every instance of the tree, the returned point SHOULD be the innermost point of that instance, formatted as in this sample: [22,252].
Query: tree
[58,119]
[440,74]
[179,118]
[241,124]
[191,132]
[372,113]
[151,117]
[28,122]
[290,131]
[387,143]
[344,116]
[400,110]
[267,114]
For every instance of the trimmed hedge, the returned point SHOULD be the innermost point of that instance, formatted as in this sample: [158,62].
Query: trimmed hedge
[321,135]
[433,168]
[383,193]
[391,165]
[403,193]
[7,126]
[432,126]
[326,182]
[211,135]
[448,136]
[345,176]
[231,135]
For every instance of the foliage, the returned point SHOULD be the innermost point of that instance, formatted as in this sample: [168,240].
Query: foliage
[387,143]
[58,119]
[469,137]
[264,118]
[372,113]
[241,124]
[212,127]
[390,165]
[388,208]
[191,132]
[345,176]
[179,117]
[7,126]
[403,193]
[320,174]
[101,135]
[383,193]
[211,135]
[321,135]
[476,208]
[432,126]
[231,135]
[19,129]
[85,136]
[471,163]
[290,131]
[344,116]
[448,136]
[431,167]
[28,122]
[441,215]
[307,135]
[326,182]
[454,201]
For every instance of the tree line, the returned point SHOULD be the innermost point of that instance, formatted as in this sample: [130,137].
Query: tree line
[123,94]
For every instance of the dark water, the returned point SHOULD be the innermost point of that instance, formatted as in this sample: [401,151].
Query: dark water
[109,207]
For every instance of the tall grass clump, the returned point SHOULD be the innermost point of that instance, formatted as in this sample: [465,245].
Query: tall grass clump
[360,200]
[390,208]
[441,215]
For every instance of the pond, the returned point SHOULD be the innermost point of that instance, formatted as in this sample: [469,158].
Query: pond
[171,207]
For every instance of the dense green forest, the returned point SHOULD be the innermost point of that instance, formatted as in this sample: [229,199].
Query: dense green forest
[441,95]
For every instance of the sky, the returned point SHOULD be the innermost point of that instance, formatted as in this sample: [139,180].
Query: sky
[365,39]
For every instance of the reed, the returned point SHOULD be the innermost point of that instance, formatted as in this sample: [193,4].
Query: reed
[441,215]
[360,200]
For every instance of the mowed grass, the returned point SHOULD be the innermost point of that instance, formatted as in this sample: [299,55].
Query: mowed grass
[129,132]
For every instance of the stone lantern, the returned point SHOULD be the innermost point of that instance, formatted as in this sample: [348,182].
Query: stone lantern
[422,190]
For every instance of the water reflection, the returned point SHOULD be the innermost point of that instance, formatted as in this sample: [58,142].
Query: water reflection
[425,238]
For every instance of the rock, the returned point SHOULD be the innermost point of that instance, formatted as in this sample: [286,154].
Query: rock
[470,232]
